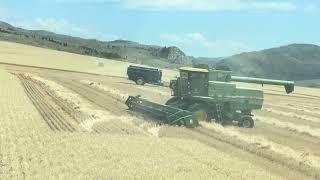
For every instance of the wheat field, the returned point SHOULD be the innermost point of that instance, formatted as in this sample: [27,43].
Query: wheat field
[29,150]
[64,125]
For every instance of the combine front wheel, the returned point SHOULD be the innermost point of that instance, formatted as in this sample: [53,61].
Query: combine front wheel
[176,102]
[173,101]
[200,112]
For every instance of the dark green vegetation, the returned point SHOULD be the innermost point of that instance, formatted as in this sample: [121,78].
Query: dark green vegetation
[299,62]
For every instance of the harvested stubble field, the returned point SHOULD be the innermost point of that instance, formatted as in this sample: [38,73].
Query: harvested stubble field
[68,125]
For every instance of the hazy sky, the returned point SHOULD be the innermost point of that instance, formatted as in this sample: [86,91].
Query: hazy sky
[199,27]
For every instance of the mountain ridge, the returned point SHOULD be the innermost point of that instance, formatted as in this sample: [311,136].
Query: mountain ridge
[294,61]
[123,50]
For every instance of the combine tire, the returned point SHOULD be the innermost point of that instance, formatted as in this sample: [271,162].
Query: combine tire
[190,123]
[140,81]
[176,102]
[246,122]
[173,101]
[200,111]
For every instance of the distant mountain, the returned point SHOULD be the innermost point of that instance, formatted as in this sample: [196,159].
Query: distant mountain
[122,50]
[292,62]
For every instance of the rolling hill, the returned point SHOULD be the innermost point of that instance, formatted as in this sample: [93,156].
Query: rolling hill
[296,62]
[119,49]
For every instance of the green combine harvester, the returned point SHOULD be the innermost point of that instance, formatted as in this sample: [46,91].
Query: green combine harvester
[208,95]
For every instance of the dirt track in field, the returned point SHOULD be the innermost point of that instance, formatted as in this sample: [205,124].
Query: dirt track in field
[285,141]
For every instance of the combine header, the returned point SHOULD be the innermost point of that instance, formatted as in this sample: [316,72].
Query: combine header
[169,115]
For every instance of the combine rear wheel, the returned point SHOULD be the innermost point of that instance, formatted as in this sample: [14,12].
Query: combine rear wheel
[140,81]
[200,111]
[246,122]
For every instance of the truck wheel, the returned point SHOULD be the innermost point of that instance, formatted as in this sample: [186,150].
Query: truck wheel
[200,112]
[246,122]
[140,81]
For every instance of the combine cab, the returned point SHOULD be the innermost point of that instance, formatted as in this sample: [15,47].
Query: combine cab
[211,95]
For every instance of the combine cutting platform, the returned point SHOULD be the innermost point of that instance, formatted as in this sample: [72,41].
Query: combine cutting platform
[167,114]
